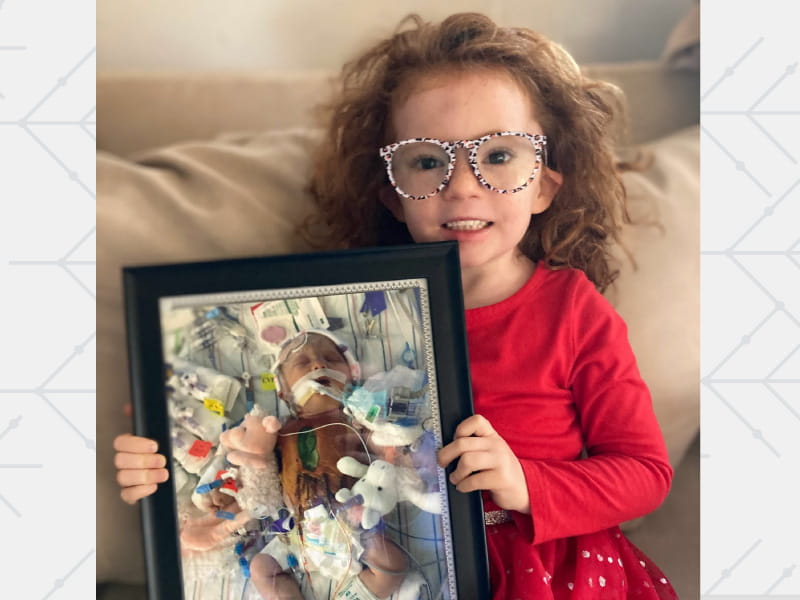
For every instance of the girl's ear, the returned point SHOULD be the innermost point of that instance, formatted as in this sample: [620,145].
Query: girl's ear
[549,184]
[391,201]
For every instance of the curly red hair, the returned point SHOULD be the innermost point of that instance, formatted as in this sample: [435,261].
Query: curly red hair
[579,117]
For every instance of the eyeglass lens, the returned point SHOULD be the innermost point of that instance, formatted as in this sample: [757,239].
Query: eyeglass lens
[506,162]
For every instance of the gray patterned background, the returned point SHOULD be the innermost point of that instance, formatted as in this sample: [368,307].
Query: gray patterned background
[47,292]
[750,259]
[750,300]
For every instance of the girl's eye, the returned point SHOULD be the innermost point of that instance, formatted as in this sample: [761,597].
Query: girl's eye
[499,157]
[426,163]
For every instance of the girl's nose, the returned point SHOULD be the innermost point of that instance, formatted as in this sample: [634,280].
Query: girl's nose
[462,181]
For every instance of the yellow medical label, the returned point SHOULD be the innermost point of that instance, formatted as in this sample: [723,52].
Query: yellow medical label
[214,406]
[267,381]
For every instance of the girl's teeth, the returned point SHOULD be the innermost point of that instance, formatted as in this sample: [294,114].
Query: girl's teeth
[466,225]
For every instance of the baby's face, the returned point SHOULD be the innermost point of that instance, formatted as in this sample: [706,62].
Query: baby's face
[319,352]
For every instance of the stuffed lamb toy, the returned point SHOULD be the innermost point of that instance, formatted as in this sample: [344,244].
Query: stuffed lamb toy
[382,485]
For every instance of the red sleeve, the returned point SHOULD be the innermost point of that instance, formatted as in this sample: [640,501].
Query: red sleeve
[627,472]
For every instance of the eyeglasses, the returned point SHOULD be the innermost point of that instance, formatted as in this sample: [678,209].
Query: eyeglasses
[505,162]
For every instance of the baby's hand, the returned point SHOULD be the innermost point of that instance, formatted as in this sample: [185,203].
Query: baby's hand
[139,468]
[485,462]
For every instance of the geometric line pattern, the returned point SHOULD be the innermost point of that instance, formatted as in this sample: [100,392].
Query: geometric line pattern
[750,305]
[47,264]
[66,263]
[726,572]
[13,424]
[58,584]
[732,253]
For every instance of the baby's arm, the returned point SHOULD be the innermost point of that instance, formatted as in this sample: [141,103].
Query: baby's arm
[139,467]
[385,565]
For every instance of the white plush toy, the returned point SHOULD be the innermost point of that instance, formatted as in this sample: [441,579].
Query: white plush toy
[382,485]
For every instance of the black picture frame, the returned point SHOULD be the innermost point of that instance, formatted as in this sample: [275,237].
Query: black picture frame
[161,301]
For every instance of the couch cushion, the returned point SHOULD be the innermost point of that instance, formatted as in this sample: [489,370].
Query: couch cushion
[141,111]
[149,110]
[659,298]
[660,100]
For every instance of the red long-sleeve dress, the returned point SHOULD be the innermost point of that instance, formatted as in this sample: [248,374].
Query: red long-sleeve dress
[553,372]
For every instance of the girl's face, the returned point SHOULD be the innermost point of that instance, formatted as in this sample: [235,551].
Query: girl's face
[488,225]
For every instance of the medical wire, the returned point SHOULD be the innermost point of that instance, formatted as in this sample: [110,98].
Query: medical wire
[394,302]
[388,339]
[415,537]
[349,553]
[360,437]
[419,566]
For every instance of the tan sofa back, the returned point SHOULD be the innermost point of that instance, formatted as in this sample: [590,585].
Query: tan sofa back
[137,111]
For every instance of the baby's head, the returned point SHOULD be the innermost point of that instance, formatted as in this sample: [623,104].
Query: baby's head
[574,114]
[313,370]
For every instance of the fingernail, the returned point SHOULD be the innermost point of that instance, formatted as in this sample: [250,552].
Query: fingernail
[153,447]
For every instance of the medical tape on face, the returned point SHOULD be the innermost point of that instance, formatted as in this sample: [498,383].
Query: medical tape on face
[307,386]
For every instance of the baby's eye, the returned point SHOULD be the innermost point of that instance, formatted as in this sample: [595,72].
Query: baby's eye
[334,358]
[300,361]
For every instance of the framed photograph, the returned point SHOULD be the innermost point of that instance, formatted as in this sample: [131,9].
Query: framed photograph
[301,401]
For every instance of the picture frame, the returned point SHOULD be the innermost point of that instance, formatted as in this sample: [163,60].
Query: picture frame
[216,347]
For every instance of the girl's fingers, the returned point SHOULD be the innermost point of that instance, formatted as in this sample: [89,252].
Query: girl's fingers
[469,463]
[469,436]
[133,494]
[460,446]
[127,460]
[476,425]
[133,443]
[482,480]
[136,477]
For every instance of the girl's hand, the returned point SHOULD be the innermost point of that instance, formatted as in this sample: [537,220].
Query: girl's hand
[485,462]
[139,468]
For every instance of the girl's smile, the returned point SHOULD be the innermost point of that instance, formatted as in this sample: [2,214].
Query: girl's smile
[467,225]
[464,230]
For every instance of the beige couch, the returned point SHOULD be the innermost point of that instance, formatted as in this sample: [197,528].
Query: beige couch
[170,190]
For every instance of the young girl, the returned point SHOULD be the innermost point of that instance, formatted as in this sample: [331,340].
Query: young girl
[491,136]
